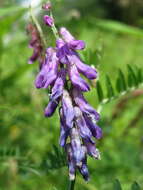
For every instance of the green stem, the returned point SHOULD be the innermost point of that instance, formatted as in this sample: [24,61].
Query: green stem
[37,26]
[71,184]
[54,29]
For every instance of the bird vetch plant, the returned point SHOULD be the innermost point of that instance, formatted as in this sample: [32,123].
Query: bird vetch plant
[60,72]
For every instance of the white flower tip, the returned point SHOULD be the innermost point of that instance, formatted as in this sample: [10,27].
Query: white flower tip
[72,177]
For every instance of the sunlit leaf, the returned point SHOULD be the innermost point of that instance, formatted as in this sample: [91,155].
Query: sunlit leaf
[121,83]
[119,27]
[132,79]
[135,186]
[117,185]
[99,91]
[110,90]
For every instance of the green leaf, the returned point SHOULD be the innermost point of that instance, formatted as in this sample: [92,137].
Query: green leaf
[132,79]
[54,160]
[119,27]
[135,186]
[139,75]
[117,185]
[110,90]
[10,10]
[121,82]
[99,91]
[91,57]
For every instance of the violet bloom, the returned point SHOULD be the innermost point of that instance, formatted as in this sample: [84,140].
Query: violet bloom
[84,131]
[68,38]
[60,72]
[58,86]
[92,150]
[76,79]
[83,105]
[49,70]
[64,129]
[67,108]
[48,20]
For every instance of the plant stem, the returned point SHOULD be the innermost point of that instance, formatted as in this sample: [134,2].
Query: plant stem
[54,29]
[71,184]
[37,25]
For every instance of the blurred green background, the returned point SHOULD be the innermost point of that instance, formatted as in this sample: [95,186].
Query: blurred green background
[113,30]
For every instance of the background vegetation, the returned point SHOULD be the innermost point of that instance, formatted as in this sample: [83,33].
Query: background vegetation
[29,157]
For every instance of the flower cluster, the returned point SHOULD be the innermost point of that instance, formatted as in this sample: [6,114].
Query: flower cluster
[35,43]
[61,73]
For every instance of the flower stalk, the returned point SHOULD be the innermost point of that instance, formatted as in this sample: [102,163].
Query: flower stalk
[71,185]
[33,18]
[60,72]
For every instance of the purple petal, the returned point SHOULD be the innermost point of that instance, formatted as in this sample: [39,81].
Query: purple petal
[67,107]
[92,150]
[86,70]
[77,44]
[75,77]
[42,77]
[62,53]
[48,70]
[84,131]
[34,56]
[57,89]
[64,130]
[71,163]
[48,73]
[66,35]
[50,109]
[96,131]
[83,105]
[60,43]
[83,168]
[48,20]
[78,151]
[84,172]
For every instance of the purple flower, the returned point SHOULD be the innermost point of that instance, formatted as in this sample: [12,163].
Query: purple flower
[48,20]
[34,56]
[83,105]
[84,131]
[60,69]
[70,40]
[35,43]
[48,72]
[84,169]
[64,130]
[96,131]
[57,89]
[66,35]
[86,70]
[67,108]
[78,151]
[77,44]
[62,52]
[71,162]
[51,107]
[92,150]
[75,78]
